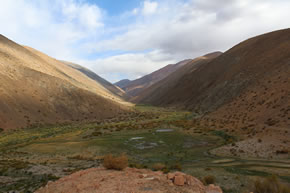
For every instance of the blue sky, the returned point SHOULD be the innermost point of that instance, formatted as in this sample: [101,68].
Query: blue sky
[129,38]
[116,7]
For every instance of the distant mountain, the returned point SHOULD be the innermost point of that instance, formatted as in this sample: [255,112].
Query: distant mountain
[106,84]
[248,83]
[122,83]
[157,90]
[36,89]
[133,88]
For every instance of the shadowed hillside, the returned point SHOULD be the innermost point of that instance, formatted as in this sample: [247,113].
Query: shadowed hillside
[122,83]
[133,88]
[248,83]
[37,89]
[157,90]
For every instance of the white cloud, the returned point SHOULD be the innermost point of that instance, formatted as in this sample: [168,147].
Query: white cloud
[88,16]
[149,7]
[135,11]
[186,30]
[129,65]
[54,27]
[153,34]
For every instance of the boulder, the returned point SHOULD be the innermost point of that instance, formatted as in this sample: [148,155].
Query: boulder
[179,180]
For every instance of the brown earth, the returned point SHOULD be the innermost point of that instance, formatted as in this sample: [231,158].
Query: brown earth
[100,180]
[133,88]
[36,89]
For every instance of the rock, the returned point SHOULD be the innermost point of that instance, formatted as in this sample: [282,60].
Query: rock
[179,174]
[170,176]
[101,180]
[142,175]
[213,189]
[179,180]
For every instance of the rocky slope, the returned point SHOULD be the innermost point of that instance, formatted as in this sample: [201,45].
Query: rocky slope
[133,88]
[100,180]
[247,86]
[36,89]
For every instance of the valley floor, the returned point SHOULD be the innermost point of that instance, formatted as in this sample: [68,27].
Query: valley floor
[30,158]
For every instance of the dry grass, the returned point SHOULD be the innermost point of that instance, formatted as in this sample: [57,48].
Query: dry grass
[115,162]
[270,185]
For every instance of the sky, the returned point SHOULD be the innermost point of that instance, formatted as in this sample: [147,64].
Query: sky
[121,39]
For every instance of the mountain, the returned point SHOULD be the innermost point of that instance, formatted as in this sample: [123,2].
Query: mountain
[133,88]
[122,83]
[156,91]
[36,89]
[249,83]
[106,84]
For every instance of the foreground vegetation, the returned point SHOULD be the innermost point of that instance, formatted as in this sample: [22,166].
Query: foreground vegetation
[154,138]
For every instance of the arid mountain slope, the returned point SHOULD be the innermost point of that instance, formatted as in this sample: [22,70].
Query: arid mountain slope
[112,88]
[122,83]
[167,84]
[133,88]
[37,89]
[249,82]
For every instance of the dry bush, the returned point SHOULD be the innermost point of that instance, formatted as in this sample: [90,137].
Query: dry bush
[158,167]
[270,185]
[88,157]
[176,166]
[207,180]
[115,162]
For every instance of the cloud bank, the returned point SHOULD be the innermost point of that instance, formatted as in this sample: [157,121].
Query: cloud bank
[141,40]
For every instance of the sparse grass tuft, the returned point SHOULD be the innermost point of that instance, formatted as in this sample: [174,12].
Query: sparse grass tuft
[270,185]
[207,180]
[115,163]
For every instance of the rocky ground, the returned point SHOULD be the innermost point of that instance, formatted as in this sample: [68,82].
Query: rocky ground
[130,180]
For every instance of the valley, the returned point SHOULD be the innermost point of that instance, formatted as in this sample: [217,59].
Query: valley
[152,137]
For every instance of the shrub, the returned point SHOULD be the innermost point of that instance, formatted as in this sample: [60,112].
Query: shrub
[270,185]
[176,166]
[1,130]
[138,166]
[207,180]
[158,167]
[115,162]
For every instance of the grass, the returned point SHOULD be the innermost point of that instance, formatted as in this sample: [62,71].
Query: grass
[270,184]
[75,147]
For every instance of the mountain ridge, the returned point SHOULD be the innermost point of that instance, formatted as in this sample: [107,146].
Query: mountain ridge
[134,87]
[36,90]
[238,81]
